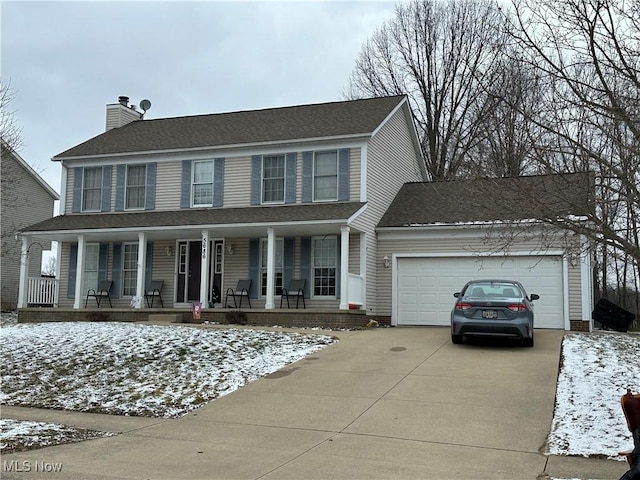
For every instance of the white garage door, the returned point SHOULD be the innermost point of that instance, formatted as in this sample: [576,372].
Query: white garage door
[425,286]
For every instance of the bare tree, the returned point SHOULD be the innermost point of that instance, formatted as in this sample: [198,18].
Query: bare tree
[588,54]
[10,132]
[442,54]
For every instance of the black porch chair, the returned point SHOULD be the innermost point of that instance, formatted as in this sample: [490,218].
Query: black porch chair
[154,292]
[100,293]
[241,291]
[296,289]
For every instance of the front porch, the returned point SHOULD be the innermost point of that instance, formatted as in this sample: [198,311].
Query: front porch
[310,318]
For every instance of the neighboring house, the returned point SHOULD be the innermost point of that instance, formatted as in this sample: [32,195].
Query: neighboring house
[304,192]
[26,199]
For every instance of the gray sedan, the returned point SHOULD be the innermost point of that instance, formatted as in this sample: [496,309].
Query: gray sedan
[498,308]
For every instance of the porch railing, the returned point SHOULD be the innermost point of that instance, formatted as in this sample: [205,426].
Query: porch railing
[355,283]
[42,291]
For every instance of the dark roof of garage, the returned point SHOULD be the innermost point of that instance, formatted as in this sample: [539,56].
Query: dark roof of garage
[491,199]
[322,120]
[200,216]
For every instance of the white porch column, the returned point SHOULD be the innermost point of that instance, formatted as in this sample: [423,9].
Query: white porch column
[23,286]
[344,268]
[204,270]
[142,265]
[82,249]
[271,267]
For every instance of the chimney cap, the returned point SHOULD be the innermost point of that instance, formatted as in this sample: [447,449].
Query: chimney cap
[123,100]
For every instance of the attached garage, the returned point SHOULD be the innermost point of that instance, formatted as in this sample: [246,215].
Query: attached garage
[424,285]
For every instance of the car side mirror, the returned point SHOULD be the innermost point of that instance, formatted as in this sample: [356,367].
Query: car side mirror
[457,294]
[534,297]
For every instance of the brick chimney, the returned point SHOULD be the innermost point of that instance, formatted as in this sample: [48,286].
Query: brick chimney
[121,113]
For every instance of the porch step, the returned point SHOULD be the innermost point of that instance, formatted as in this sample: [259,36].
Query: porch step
[166,317]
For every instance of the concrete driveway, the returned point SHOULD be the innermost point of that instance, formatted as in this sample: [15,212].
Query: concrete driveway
[392,403]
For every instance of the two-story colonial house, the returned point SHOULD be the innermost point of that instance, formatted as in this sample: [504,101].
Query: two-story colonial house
[334,195]
[201,202]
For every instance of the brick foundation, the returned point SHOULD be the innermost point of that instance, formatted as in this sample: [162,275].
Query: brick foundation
[580,325]
[285,318]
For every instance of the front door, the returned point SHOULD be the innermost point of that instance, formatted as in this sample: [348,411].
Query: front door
[189,268]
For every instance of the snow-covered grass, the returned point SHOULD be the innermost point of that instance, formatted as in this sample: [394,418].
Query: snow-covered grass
[17,435]
[134,369]
[596,369]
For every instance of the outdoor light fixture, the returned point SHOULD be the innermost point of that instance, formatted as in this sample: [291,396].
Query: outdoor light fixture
[386,262]
[169,250]
[229,249]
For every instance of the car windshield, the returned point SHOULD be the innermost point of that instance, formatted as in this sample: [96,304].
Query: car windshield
[492,289]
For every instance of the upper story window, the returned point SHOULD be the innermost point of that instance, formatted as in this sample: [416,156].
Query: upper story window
[325,176]
[202,183]
[136,187]
[273,176]
[92,189]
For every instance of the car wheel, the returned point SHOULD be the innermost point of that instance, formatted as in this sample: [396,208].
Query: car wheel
[456,339]
[528,342]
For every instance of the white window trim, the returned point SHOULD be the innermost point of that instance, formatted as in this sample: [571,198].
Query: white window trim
[126,189]
[213,185]
[84,178]
[313,175]
[313,267]
[284,180]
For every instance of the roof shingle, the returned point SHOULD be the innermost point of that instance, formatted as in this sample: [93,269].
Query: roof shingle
[199,216]
[490,199]
[239,128]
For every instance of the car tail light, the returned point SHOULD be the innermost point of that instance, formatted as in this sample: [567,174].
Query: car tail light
[463,306]
[517,307]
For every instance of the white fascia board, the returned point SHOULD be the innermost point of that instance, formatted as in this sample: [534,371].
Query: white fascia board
[353,217]
[225,150]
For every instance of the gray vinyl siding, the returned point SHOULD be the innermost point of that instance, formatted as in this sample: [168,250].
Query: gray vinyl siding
[168,186]
[448,244]
[63,281]
[391,162]
[575,294]
[24,202]
[237,182]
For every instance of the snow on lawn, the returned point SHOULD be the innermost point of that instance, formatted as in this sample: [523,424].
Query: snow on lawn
[17,435]
[596,369]
[133,369]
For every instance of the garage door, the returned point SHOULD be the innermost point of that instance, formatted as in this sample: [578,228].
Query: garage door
[425,286]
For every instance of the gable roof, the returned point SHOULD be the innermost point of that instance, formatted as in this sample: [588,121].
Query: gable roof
[349,118]
[6,149]
[490,199]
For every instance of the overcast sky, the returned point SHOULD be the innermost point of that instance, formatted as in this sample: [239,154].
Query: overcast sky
[66,60]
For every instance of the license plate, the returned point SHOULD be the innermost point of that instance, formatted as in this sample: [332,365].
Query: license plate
[489,314]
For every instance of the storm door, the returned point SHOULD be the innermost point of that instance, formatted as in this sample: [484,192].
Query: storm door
[189,268]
